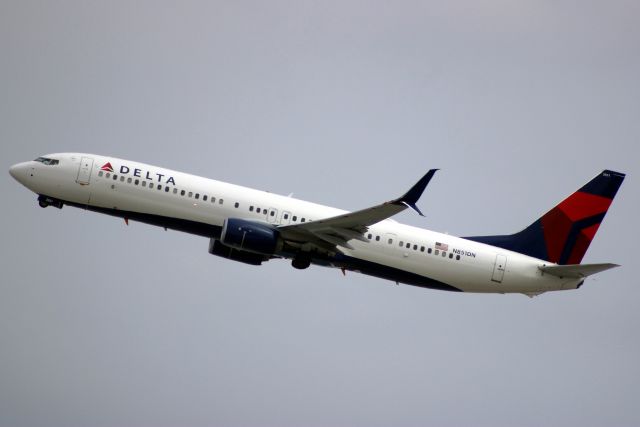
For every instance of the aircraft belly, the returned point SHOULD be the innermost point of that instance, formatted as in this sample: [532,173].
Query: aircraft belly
[392,267]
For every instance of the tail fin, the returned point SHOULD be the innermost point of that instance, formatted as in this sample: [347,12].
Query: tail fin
[563,234]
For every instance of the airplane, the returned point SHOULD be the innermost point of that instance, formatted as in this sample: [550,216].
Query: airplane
[253,226]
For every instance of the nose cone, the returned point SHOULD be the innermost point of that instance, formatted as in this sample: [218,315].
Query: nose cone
[19,172]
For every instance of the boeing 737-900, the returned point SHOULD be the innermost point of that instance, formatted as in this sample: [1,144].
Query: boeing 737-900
[253,226]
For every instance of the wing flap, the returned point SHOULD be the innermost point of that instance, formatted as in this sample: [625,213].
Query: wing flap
[334,240]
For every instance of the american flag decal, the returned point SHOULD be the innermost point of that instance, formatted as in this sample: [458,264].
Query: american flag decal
[442,246]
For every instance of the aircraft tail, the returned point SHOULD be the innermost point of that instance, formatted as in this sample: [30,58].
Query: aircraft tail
[563,234]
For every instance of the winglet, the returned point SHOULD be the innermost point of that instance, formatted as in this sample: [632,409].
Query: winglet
[411,197]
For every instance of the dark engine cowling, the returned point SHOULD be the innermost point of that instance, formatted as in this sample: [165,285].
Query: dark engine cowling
[217,248]
[250,236]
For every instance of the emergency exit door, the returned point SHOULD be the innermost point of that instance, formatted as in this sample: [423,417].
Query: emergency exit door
[499,268]
[84,170]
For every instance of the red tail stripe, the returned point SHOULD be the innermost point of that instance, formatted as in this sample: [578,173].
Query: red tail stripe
[582,205]
[579,249]
[556,227]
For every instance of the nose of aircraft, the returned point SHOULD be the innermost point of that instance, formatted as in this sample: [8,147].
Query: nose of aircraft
[19,172]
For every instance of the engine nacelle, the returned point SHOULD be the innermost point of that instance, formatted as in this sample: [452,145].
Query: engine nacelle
[250,236]
[221,250]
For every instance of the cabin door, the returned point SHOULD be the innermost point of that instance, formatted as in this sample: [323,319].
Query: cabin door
[84,170]
[285,219]
[498,268]
[272,216]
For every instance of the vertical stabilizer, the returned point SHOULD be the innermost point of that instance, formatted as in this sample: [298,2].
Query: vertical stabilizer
[563,234]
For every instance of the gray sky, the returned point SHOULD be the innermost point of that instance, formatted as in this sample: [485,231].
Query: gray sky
[344,103]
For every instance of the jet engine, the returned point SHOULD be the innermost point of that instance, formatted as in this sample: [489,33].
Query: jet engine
[219,249]
[251,236]
[246,241]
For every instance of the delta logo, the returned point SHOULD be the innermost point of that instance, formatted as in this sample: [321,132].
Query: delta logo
[107,167]
[140,173]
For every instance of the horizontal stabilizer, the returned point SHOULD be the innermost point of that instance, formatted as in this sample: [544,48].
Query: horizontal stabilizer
[576,271]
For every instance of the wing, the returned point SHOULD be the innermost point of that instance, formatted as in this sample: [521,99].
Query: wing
[338,230]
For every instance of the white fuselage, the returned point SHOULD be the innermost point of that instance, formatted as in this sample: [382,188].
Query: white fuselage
[131,187]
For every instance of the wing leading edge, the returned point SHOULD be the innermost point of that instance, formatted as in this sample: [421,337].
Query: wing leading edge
[329,233]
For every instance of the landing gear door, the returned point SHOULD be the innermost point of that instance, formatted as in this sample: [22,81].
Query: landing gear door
[499,268]
[84,170]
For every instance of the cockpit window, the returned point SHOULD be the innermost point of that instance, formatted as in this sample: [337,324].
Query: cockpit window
[47,161]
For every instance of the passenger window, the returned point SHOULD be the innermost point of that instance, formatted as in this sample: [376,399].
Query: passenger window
[144,183]
[115,177]
[429,251]
[151,185]
[182,192]
[377,238]
[197,196]
[444,254]
[108,175]
[175,191]
[221,201]
[213,200]
[237,205]
[457,257]
[100,173]
[302,220]
[369,236]
[295,218]
[251,208]
[129,180]
[450,256]
[136,182]
[258,210]
[272,213]
[390,241]
[190,193]
[166,189]
[437,252]
[204,198]
[122,179]
[159,187]
[286,216]
[408,245]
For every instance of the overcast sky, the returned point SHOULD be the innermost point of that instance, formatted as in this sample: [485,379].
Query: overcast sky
[345,103]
